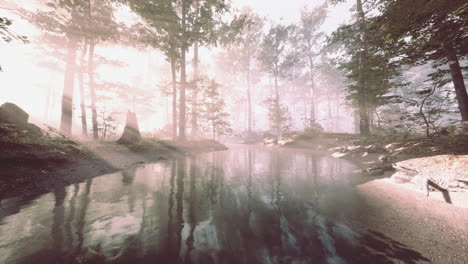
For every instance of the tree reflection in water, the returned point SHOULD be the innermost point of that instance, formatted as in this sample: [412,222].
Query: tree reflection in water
[240,206]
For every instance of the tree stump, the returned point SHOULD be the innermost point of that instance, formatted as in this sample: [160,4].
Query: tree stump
[131,133]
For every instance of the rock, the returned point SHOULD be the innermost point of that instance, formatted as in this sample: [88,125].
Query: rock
[15,113]
[270,141]
[378,171]
[13,119]
[282,141]
[33,129]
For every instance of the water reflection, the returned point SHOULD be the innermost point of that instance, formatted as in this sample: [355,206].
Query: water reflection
[240,206]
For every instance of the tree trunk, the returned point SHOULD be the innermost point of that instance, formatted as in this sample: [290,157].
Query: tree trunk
[312,89]
[337,112]
[92,89]
[84,125]
[68,87]
[458,82]
[357,122]
[174,100]
[214,131]
[330,117]
[131,132]
[195,91]
[48,99]
[363,111]
[249,100]
[183,75]
[277,105]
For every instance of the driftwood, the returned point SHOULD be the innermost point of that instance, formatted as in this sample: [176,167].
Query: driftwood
[447,172]
[131,133]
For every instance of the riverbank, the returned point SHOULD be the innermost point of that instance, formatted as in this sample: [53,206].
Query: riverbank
[35,164]
[377,158]
[397,215]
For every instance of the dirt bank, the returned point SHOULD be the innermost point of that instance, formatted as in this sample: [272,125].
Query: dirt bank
[31,167]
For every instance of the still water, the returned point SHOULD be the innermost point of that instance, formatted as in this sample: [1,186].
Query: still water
[244,205]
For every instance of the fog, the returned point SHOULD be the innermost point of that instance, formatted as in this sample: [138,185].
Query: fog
[132,74]
[32,74]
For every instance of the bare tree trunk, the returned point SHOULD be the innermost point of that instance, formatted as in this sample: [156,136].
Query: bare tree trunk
[421,111]
[249,99]
[277,104]
[330,118]
[68,87]
[458,82]
[214,131]
[92,89]
[195,92]
[337,112]
[305,109]
[362,93]
[48,99]
[312,89]
[84,125]
[357,123]
[174,99]
[379,121]
[183,76]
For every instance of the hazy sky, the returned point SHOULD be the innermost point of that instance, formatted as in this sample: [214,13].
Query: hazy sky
[277,9]
[288,11]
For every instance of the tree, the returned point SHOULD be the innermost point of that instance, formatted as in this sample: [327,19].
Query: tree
[279,117]
[107,123]
[84,125]
[7,35]
[178,25]
[99,26]
[307,38]
[364,124]
[162,31]
[76,20]
[67,25]
[212,109]
[362,88]
[382,70]
[433,31]
[244,52]
[274,59]
[201,22]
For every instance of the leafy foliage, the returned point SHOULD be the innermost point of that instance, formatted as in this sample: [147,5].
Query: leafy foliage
[212,115]
[7,35]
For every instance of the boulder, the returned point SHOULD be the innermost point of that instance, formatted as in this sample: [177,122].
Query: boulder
[14,119]
[14,113]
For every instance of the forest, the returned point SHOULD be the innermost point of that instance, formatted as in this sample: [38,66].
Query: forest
[235,131]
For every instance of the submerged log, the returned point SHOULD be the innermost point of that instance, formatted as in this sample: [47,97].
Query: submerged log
[131,134]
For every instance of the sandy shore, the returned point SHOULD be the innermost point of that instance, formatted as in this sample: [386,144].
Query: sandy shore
[421,229]
[435,229]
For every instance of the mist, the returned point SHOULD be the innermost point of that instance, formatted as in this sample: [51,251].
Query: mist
[233,131]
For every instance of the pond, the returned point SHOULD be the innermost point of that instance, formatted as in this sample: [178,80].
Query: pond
[244,205]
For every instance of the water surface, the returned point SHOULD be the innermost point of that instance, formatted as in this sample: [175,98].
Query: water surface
[244,205]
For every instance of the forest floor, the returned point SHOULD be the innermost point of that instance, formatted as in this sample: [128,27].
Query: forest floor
[32,164]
